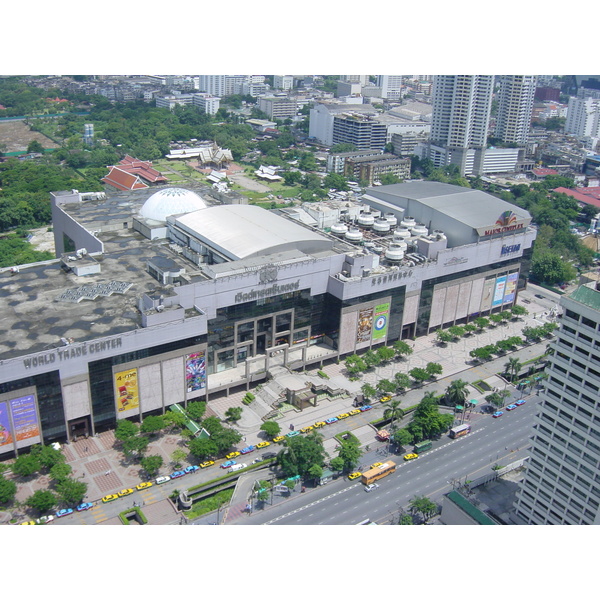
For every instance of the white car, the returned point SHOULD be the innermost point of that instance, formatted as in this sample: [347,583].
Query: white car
[371,486]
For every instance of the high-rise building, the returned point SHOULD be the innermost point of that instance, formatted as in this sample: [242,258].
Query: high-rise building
[583,117]
[562,480]
[515,107]
[461,114]
[391,86]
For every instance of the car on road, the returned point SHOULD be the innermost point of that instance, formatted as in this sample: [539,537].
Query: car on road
[207,463]
[63,512]
[279,438]
[319,424]
[371,486]
[354,475]
[497,414]
[28,523]
[385,399]
[110,498]
[526,300]
[375,465]
[520,402]
[292,434]
[191,468]
[539,296]
[143,485]
[356,411]
[228,464]
[331,420]
[306,429]
[343,416]
[511,407]
[177,474]
[365,408]
[263,445]
[125,492]
[232,455]
[84,506]
[162,479]
[248,449]
[411,456]
[45,519]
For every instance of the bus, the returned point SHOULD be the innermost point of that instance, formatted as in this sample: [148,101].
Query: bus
[422,446]
[460,430]
[383,470]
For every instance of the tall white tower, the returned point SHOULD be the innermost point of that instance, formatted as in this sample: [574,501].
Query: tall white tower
[515,107]
[391,86]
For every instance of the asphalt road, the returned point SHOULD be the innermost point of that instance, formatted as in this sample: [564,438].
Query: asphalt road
[344,502]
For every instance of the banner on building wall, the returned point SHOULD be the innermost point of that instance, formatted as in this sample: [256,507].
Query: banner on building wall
[126,385]
[511,286]
[5,432]
[380,323]
[499,291]
[365,325]
[486,297]
[24,417]
[195,372]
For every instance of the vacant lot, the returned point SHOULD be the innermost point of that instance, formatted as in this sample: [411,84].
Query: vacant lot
[15,137]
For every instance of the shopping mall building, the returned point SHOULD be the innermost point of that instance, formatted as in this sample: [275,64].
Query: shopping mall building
[161,297]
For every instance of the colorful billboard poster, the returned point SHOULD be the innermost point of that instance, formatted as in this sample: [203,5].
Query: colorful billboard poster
[126,385]
[24,418]
[499,291]
[380,323]
[365,325]
[511,286]
[486,298]
[195,372]
[5,434]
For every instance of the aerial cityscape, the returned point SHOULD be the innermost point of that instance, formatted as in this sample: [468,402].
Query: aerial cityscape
[299,300]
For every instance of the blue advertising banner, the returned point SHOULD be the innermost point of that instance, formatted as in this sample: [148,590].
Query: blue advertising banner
[499,291]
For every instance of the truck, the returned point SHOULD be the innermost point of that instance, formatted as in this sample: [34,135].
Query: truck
[422,446]
[383,470]
[460,430]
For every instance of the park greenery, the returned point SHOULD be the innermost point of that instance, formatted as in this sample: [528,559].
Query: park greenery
[300,454]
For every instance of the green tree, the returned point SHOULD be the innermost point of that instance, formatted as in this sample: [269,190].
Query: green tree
[423,506]
[152,424]
[135,446]
[518,311]
[177,458]
[443,336]
[405,520]
[203,448]
[512,367]
[355,364]
[341,148]
[35,147]
[125,430]
[393,412]
[402,381]
[371,358]
[385,386]
[337,464]
[60,471]
[315,472]
[368,391]
[196,410]
[48,456]
[550,268]
[457,331]
[152,464]
[457,392]
[234,413]
[336,181]
[402,349]
[300,455]
[385,353]
[402,437]
[8,491]
[41,500]
[389,179]
[481,322]
[26,465]
[174,419]
[350,454]
[433,369]
[271,428]
[71,491]
[419,375]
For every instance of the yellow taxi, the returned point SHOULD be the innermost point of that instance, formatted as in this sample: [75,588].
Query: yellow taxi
[144,485]
[232,455]
[385,399]
[110,498]
[411,456]
[306,429]
[343,416]
[263,444]
[28,523]
[354,412]
[279,438]
[125,492]
[207,463]
[354,475]
[319,424]
[375,465]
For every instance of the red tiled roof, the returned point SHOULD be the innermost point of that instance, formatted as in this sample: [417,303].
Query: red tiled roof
[581,197]
[143,168]
[542,172]
[122,180]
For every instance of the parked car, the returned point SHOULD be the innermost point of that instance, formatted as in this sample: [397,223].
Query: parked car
[263,444]
[520,402]
[343,416]
[207,463]
[511,407]
[177,474]
[279,438]
[191,468]
[319,424]
[306,429]
[45,519]
[355,411]
[162,479]
[364,408]
[110,498]
[248,449]
[331,420]
[84,506]
[385,399]
[292,434]
[63,512]
[232,455]
[125,492]
[228,463]
[144,485]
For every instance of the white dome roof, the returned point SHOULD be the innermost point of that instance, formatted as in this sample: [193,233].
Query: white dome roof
[171,201]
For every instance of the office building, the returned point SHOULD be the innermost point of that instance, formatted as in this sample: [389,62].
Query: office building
[320,126]
[459,127]
[370,169]
[363,131]
[515,107]
[562,481]
[391,86]
[165,296]
[583,117]
[283,82]
[278,107]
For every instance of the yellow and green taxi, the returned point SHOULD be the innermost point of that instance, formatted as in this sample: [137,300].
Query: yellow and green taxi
[125,492]
[263,444]
[279,438]
[207,463]
[354,412]
[28,523]
[319,424]
[411,456]
[144,485]
[232,455]
[375,465]
[110,498]
[306,429]
[343,416]
[385,399]
[354,475]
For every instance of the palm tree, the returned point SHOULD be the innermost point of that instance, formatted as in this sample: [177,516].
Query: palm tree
[457,392]
[513,366]
[393,412]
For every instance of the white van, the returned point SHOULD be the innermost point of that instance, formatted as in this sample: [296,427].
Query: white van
[237,467]
[164,479]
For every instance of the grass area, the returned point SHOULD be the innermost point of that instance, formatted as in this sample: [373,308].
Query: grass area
[209,504]
[481,386]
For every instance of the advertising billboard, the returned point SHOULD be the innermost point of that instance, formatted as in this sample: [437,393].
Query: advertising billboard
[24,418]
[380,323]
[499,291]
[365,325]
[486,298]
[511,286]
[5,432]
[127,392]
[195,372]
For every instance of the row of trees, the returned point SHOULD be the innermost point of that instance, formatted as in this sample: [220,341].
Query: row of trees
[356,365]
